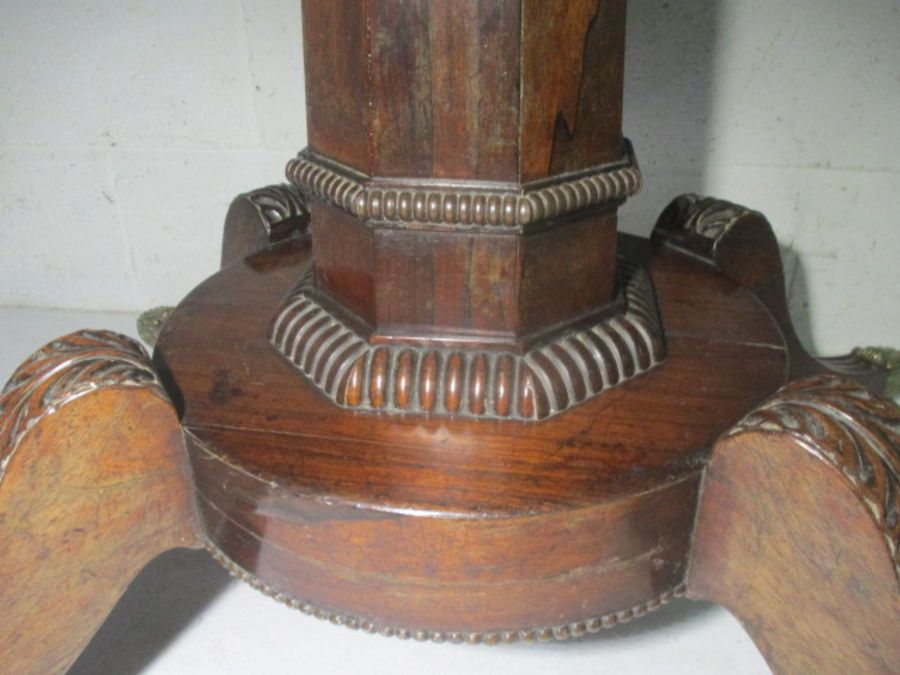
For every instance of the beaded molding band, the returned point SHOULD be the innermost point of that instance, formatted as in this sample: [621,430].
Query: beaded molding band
[560,632]
[356,194]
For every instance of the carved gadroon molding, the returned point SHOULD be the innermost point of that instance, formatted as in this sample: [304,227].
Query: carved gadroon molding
[64,370]
[565,631]
[542,382]
[469,205]
[851,429]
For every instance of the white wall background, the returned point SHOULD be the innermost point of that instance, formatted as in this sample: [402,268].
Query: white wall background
[126,127]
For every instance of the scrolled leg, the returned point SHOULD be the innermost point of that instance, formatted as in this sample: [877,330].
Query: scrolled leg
[94,484]
[798,529]
[261,217]
[741,243]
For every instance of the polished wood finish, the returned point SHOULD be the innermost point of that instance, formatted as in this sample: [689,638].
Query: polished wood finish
[572,65]
[502,90]
[452,112]
[450,526]
[741,243]
[798,532]
[480,286]
[454,221]
[94,483]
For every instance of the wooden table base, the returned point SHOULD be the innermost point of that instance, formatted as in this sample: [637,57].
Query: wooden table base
[459,530]
[442,526]
[434,393]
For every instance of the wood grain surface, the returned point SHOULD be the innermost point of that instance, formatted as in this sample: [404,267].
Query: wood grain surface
[741,243]
[503,90]
[797,532]
[94,483]
[448,525]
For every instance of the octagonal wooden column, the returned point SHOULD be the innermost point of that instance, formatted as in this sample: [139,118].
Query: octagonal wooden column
[465,165]
[451,151]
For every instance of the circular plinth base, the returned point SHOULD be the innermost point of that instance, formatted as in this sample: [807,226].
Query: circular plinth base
[447,528]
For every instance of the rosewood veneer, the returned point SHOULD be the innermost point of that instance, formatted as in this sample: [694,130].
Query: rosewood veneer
[433,393]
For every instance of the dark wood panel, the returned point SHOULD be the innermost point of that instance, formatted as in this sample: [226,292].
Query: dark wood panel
[445,88]
[415,88]
[498,109]
[596,137]
[440,572]
[451,284]
[572,65]
[401,71]
[337,87]
[457,89]
[345,259]
[582,278]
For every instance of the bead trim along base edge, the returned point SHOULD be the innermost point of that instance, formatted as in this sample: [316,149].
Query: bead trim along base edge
[560,632]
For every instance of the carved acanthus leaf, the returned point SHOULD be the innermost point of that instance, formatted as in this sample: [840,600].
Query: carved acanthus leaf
[851,429]
[277,203]
[696,224]
[65,369]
